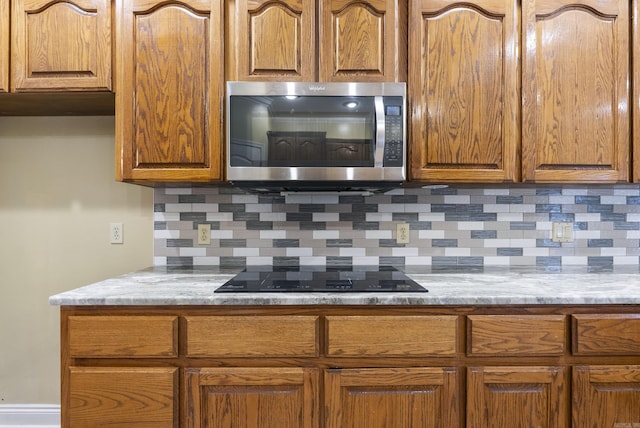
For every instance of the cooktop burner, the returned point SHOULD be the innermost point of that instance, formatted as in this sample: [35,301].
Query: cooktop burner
[339,279]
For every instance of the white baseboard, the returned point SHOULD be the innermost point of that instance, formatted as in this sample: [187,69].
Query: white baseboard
[29,416]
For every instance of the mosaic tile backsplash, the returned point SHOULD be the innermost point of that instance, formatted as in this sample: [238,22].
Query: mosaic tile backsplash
[448,226]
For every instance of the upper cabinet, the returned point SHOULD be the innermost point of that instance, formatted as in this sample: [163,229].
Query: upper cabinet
[4,46]
[60,46]
[472,120]
[576,124]
[312,40]
[169,90]
[463,90]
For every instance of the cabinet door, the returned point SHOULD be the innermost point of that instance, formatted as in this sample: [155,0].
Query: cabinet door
[61,46]
[392,398]
[242,397]
[606,396]
[169,95]
[575,91]
[4,46]
[516,397]
[464,91]
[272,40]
[362,40]
[140,397]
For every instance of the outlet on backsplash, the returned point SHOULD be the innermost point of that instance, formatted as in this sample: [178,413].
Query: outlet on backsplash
[402,233]
[562,232]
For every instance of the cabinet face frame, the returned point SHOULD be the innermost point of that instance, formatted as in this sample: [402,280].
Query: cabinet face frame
[4,46]
[192,150]
[464,127]
[77,50]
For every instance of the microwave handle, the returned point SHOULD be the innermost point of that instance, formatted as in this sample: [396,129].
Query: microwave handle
[380,131]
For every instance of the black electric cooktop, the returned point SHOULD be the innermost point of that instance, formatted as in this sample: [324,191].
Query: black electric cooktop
[339,279]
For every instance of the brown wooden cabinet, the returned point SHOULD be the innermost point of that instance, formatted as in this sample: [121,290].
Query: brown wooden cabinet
[4,46]
[311,40]
[60,46]
[245,397]
[472,121]
[169,98]
[606,396]
[357,366]
[463,91]
[516,397]
[575,65]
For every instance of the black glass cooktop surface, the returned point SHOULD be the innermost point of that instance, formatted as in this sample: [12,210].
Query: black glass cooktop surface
[339,279]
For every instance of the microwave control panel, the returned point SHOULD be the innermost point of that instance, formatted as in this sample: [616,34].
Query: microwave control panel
[394,132]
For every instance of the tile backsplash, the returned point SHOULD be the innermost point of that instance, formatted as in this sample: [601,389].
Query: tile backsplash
[453,225]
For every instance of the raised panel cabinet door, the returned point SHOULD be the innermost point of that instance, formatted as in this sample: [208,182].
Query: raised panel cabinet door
[272,40]
[141,397]
[60,45]
[575,91]
[464,91]
[249,397]
[517,397]
[606,396]
[169,90]
[392,398]
[362,40]
[4,46]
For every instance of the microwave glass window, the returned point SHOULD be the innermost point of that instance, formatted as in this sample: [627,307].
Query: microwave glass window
[315,131]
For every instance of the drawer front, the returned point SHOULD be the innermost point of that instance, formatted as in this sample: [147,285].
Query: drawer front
[516,335]
[123,336]
[392,335]
[252,336]
[141,397]
[606,334]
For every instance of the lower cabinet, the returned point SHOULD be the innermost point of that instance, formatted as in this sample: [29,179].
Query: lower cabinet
[606,396]
[144,397]
[242,397]
[516,397]
[391,398]
[339,367]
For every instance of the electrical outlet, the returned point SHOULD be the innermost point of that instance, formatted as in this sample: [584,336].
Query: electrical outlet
[562,232]
[204,234]
[116,233]
[402,233]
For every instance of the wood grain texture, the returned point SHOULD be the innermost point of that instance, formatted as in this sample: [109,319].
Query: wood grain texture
[464,91]
[391,335]
[169,100]
[4,46]
[124,397]
[576,124]
[246,336]
[123,336]
[516,335]
[516,397]
[252,397]
[606,334]
[362,41]
[606,396]
[392,398]
[272,40]
[61,46]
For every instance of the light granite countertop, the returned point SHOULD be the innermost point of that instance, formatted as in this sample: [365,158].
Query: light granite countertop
[449,286]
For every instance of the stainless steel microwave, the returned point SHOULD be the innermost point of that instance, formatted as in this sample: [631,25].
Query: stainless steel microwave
[316,136]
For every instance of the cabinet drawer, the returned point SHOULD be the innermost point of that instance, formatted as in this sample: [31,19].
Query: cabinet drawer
[141,397]
[123,336]
[252,336]
[516,335]
[391,335]
[606,334]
